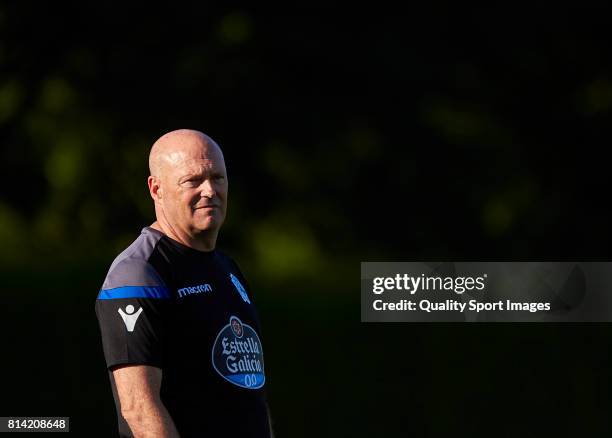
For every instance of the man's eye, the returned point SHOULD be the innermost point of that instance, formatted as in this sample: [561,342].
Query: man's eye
[219,178]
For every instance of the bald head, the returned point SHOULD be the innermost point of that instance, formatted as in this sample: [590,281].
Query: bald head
[177,146]
[188,184]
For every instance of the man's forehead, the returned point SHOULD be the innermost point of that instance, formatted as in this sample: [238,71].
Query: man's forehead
[194,166]
[201,164]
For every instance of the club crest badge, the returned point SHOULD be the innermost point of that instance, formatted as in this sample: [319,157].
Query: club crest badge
[237,355]
[240,288]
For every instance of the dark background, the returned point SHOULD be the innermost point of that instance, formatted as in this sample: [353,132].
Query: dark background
[445,132]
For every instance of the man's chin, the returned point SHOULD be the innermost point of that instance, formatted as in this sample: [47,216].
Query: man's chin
[206,225]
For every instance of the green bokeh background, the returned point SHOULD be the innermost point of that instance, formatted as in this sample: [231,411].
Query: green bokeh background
[439,133]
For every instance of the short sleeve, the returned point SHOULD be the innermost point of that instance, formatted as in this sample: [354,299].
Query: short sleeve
[132,309]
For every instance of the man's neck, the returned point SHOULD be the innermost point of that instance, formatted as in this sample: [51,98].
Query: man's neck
[205,242]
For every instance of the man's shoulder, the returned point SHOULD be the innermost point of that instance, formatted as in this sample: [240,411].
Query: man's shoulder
[222,255]
[142,247]
[226,259]
[132,267]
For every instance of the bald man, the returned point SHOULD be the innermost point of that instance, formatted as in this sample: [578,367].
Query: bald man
[180,332]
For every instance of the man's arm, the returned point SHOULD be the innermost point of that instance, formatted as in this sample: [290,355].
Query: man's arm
[138,388]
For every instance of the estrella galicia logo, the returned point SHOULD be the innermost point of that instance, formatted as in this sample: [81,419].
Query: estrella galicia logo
[237,355]
[240,288]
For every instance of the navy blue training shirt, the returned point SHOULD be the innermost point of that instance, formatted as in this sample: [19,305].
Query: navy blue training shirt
[192,314]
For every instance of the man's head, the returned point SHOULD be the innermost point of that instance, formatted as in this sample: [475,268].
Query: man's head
[188,183]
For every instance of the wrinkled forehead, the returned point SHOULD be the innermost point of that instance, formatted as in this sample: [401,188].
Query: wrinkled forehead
[201,165]
[181,164]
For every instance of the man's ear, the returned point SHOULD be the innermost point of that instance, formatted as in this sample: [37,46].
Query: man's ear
[154,188]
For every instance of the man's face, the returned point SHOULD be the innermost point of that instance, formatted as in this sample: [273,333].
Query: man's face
[195,188]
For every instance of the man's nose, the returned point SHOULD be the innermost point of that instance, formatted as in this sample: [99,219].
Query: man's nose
[206,189]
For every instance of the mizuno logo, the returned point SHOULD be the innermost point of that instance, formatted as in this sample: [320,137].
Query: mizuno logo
[129,317]
[194,290]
